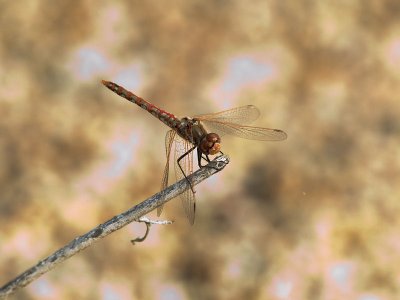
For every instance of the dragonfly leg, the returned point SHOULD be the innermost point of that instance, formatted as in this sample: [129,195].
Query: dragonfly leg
[201,155]
[183,172]
[206,158]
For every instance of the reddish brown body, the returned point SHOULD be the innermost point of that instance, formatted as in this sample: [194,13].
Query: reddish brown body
[193,135]
[187,128]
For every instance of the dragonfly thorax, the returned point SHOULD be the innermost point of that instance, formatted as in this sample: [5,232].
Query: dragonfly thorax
[193,131]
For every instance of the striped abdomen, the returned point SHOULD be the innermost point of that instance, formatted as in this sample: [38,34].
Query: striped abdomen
[165,117]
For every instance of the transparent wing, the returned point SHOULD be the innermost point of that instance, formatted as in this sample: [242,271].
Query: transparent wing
[246,132]
[169,139]
[240,115]
[187,197]
[234,122]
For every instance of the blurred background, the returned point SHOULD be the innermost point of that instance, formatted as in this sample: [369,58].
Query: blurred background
[313,217]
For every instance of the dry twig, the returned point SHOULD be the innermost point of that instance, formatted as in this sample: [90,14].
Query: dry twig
[110,226]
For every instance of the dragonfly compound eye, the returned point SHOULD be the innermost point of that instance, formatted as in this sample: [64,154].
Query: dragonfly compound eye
[213,138]
[211,144]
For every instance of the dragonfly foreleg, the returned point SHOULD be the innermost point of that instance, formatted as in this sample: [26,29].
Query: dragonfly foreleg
[180,167]
[201,155]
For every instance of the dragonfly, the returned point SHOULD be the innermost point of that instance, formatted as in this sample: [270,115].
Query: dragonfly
[201,132]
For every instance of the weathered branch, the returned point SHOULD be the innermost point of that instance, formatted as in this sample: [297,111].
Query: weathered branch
[111,225]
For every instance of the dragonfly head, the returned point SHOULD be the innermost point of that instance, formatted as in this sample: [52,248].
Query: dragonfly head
[210,144]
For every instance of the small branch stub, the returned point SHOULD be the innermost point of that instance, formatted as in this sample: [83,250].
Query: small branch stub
[148,223]
[157,222]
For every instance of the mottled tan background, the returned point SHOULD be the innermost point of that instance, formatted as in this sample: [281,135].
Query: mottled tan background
[314,217]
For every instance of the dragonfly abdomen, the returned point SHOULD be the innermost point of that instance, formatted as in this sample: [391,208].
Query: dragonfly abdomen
[165,117]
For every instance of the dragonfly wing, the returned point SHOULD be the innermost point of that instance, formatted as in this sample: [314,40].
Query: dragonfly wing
[169,139]
[187,197]
[246,132]
[240,115]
